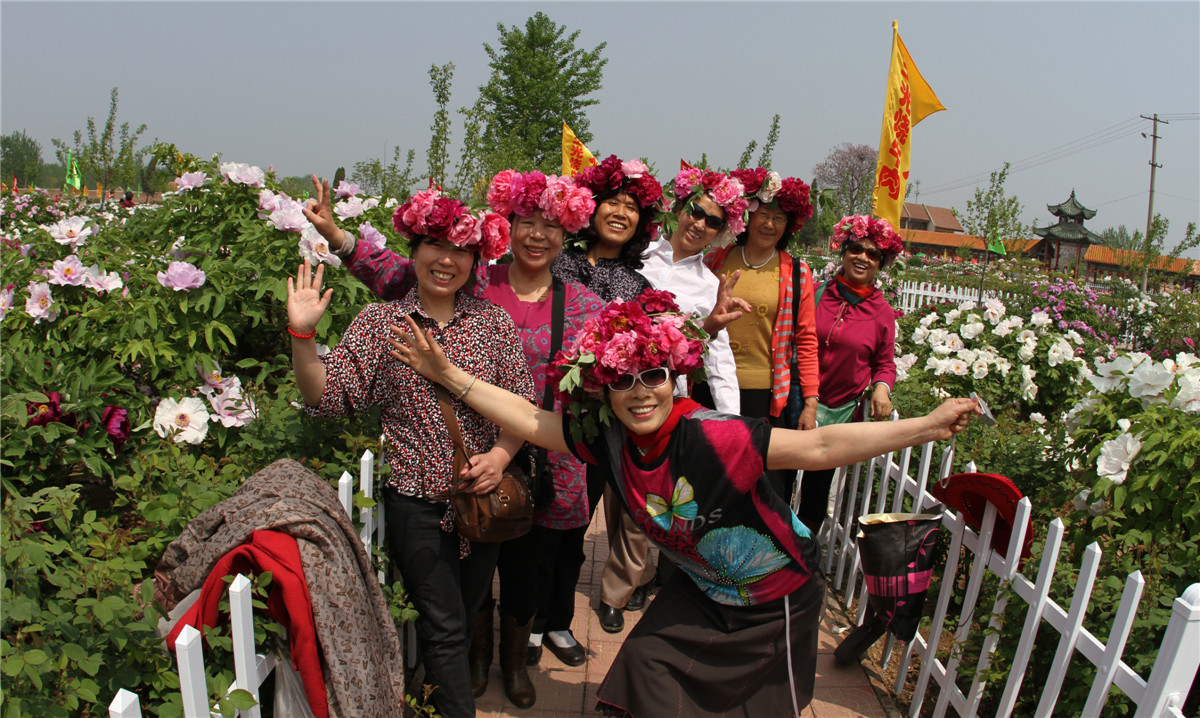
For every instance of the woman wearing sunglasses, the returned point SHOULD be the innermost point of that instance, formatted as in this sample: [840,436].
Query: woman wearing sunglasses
[775,343]
[856,340]
[734,631]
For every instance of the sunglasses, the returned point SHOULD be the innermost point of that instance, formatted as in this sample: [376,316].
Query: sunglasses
[712,221]
[857,248]
[651,379]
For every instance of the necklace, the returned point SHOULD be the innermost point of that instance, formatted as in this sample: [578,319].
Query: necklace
[755,266]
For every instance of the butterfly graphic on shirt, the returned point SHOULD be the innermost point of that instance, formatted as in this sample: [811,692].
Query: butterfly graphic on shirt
[681,505]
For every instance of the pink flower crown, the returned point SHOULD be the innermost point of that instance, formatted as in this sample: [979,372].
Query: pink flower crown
[429,214]
[860,226]
[765,186]
[726,191]
[560,199]
[627,338]
[632,177]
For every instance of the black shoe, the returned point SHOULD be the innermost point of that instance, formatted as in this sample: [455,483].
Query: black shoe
[571,656]
[533,655]
[611,619]
[637,601]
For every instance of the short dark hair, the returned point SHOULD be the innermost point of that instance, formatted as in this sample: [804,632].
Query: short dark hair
[783,241]
[420,239]
[631,251]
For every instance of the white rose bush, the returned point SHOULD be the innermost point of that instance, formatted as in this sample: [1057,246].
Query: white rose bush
[146,373]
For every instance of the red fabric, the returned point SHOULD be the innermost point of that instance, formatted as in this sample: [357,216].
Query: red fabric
[288,603]
[654,442]
[863,292]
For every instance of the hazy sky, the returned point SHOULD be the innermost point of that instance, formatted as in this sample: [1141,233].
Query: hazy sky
[1054,88]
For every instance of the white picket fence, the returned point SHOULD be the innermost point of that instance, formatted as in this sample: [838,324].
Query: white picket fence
[914,295]
[251,668]
[867,490]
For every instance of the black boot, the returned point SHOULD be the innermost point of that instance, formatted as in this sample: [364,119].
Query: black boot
[514,641]
[482,646]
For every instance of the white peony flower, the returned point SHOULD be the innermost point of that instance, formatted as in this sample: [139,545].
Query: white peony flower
[1059,352]
[972,330]
[1150,379]
[968,305]
[1039,319]
[314,248]
[1027,335]
[954,342]
[1002,329]
[929,319]
[1037,418]
[1094,508]
[957,367]
[919,335]
[979,369]
[967,355]
[994,310]
[1116,456]
[1188,398]
[185,420]
[1025,353]
[953,315]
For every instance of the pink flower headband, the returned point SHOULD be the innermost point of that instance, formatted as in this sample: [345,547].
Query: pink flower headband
[861,226]
[627,338]
[632,177]
[429,214]
[560,199]
[726,191]
[791,194]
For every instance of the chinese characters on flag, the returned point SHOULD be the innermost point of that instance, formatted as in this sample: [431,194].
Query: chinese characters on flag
[574,155]
[909,100]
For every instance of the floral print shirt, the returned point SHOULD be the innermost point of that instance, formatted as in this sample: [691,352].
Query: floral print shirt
[360,373]
[706,503]
[609,279]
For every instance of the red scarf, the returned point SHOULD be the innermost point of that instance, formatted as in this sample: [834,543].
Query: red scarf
[654,443]
[860,292]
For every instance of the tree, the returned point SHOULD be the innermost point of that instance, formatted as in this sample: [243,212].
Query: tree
[438,154]
[1148,252]
[387,180]
[848,170]
[20,157]
[539,80]
[992,215]
[109,158]
[764,158]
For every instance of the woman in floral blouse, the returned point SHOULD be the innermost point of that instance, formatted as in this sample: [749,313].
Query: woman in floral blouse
[734,631]
[445,576]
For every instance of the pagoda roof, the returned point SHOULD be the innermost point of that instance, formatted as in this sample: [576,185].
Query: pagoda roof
[1117,257]
[1068,231]
[1071,209]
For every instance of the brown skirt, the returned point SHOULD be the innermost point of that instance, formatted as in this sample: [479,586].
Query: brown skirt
[690,656]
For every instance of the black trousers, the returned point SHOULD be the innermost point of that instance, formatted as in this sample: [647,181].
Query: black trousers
[445,590]
[559,560]
[814,498]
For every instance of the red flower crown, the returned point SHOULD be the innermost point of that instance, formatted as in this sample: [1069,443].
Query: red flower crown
[722,189]
[860,226]
[429,214]
[791,194]
[560,199]
[632,177]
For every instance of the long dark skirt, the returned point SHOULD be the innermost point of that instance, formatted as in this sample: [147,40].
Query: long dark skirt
[691,656]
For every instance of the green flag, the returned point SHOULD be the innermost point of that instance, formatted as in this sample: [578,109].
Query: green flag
[73,178]
[995,245]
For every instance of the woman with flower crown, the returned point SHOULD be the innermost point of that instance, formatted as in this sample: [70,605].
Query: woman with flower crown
[856,343]
[734,631]
[445,576]
[538,571]
[775,344]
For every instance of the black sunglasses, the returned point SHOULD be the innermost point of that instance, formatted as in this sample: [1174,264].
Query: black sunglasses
[857,248]
[713,221]
[651,378]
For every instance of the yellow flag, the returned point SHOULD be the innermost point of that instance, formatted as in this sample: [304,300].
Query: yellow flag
[909,100]
[574,155]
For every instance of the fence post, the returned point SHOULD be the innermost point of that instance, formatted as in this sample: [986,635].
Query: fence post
[189,656]
[241,624]
[124,705]
[1178,657]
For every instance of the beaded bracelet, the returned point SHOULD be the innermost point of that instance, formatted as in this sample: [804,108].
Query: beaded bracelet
[465,389]
[301,336]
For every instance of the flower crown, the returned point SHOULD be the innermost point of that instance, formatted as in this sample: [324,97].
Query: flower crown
[559,198]
[626,338]
[790,193]
[861,226]
[726,191]
[632,177]
[429,214]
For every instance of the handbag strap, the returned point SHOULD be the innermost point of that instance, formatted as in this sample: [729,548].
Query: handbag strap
[460,447]
[557,321]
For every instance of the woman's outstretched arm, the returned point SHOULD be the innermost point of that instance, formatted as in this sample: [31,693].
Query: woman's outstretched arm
[828,447]
[419,350]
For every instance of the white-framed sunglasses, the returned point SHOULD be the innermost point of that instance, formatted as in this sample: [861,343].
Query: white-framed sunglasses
[650,378]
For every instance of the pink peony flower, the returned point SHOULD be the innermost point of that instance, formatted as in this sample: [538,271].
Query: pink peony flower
[289,217]
[686,181]
[242,173]
[859,226]
[230,406]
[40,304]
[726,191]
[465,232]
[67,271]
[314,248]
[526,190]
[499,195]
[495,238]
[48,411]
[268,202]
[72,231]
[190,180]
[346,189]
[353,207]
[370,236]
[634,168]
[216,380]
[6,299]
[621,353]
[181,276]
[655,301]
[410,217]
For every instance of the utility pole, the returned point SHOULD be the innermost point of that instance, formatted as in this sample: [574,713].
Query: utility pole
[1150,212]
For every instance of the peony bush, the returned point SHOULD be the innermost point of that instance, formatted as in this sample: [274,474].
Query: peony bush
[146,372]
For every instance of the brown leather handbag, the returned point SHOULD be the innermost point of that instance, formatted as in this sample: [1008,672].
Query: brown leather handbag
[504,513]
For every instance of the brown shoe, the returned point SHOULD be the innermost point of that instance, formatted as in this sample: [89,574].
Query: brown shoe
[514,648]
[479,656]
